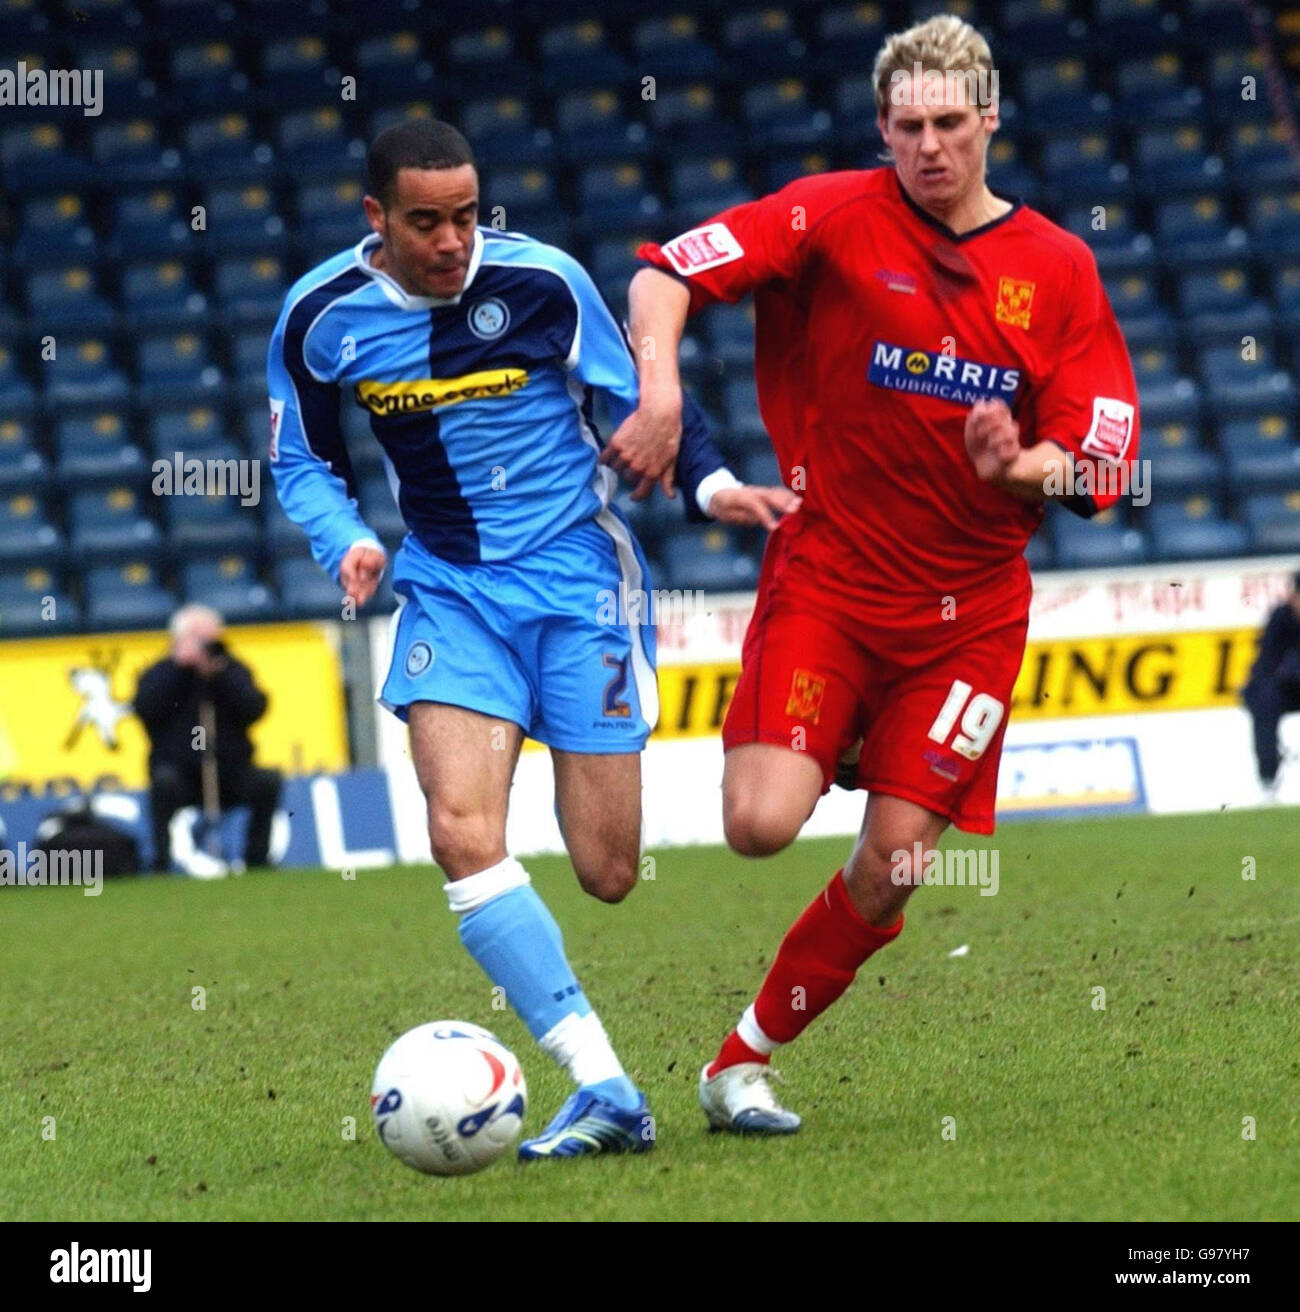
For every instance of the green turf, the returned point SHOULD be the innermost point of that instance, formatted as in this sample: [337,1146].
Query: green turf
[1062,1111]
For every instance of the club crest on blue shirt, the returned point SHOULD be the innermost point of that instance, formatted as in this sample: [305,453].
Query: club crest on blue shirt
[418,659]
[489,318]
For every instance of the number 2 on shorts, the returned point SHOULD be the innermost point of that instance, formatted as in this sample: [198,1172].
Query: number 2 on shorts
[979,722]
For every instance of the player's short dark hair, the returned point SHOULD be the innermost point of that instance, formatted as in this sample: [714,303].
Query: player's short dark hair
[421,143]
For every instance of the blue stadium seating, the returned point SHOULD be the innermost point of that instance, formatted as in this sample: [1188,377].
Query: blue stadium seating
[1133,106]
[34,602]
[707,557]
[127,596]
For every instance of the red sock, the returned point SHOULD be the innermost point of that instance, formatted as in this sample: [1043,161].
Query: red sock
[816,962]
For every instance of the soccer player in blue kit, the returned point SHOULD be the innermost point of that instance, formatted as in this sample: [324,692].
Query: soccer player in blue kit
[475,352]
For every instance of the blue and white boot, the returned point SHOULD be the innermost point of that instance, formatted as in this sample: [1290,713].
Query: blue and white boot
[588,1123]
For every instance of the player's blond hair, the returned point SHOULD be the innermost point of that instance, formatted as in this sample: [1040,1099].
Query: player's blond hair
[944,43]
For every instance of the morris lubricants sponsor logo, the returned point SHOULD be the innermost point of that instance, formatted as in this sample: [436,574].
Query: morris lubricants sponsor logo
[945,377]
[433,393]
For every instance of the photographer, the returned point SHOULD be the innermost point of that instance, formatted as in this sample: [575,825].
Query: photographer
[1274,687]
[201,686]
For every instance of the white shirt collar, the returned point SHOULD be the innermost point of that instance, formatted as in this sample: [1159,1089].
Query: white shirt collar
[366,247]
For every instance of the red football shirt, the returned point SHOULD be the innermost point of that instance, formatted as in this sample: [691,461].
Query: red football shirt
[877,328]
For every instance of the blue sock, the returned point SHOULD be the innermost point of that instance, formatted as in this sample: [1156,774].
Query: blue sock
[516,941]
[518,945]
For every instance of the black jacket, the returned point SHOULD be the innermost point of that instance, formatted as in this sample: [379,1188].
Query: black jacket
[167,701]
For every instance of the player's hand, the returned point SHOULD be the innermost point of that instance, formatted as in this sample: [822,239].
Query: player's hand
[645,445]
[992,439]
[749,505]
[361,571]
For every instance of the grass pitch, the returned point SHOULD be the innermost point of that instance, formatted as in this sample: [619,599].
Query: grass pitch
[238,1110]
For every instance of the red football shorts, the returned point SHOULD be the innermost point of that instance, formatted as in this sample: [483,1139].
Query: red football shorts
[931,729]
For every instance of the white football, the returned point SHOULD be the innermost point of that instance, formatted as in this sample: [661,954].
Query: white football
[448,1098]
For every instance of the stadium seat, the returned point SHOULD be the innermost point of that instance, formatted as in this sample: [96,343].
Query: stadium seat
[779,169]
[23,467]
[314,143]
[707,557]
[1156,89]
[524,194]
[131,151]
[26,534]
[151,224]
[33,602]
[1261,453]
[96,448]
[700,188]
[1225,79]
[54,230]
[762,40]
[781,115]
[592,126]
[126,87]
[689,116]
[1235,379]
[38,153]
[1219,305]
[226,146]
[1008,174]
[1274,221]
[330,214]
[1274,521]
[740,411]
[1125,26]
[731,334]
[69,299]
[177,369]
[293,70]
[393,64]
[243,220]
[1080,160]
[848,36]
[110,524]
[485,57]
[230,585]
[1103,541]
[579,55]
[186,429]
[127,596]
[1180,465]
[162,294]
[17,396]
[251,290]
[1260,154]
[82,373]
[610,194]
[304,590]
[1193,529]
[1059,93]
[214,522]
[207,74]
[1175,159]
[674,42]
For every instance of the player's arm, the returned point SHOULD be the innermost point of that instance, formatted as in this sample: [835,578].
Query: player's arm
[601,357]
[310,466]
[1085,414]
[722,260]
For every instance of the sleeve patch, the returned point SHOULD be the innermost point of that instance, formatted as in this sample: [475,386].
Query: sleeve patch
[1112,428]
[277,413]
[703,248]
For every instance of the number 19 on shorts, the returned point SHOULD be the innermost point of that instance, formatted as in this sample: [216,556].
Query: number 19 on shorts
[980,717]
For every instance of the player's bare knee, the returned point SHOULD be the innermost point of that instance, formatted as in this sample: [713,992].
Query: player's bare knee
[756,830]
[610,878]
[463,844]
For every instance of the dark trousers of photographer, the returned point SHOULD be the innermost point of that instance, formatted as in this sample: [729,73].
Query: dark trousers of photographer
[1268,699]
[171,788]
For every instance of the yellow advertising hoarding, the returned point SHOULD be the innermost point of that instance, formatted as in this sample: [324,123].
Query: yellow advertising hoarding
[1060,678]
[65,704]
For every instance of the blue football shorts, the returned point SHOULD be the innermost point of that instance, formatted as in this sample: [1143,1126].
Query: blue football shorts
[551,641]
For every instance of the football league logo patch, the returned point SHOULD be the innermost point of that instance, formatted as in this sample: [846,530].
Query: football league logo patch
[1015,300]
[703,248]
[1112,428]
[806,693]
[418,659]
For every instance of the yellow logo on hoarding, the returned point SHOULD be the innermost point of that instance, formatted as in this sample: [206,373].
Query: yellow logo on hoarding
[432,393]
[1015,299]
[66,718]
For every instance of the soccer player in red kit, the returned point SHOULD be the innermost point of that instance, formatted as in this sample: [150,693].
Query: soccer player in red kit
[933,361]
